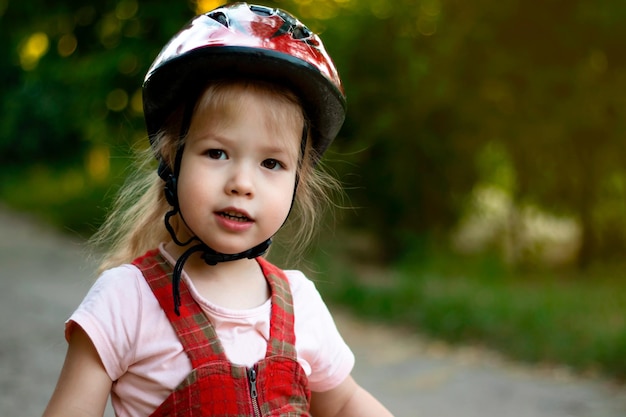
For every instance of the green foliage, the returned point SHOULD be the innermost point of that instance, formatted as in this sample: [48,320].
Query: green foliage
[536,317]
[547,87]
[432,87]
[72,74]
[63,195]
[404,134]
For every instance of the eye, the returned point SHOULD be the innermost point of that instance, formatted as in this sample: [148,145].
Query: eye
[272,164]
[216,154]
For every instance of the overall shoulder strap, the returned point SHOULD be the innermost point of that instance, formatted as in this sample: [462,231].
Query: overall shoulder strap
[193,328]
[282,334]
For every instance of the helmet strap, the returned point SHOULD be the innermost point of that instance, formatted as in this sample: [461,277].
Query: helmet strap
[211,257]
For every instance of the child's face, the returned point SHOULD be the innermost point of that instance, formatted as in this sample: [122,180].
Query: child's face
[238,170]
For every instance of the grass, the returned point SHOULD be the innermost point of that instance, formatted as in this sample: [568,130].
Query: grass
[565,318]
[66,197]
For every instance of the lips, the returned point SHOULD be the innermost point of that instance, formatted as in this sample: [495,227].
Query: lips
[235,215]
[234,220]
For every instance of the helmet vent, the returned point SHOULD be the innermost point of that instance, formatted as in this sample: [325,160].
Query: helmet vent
[262,10]
[220,17]
[301,32]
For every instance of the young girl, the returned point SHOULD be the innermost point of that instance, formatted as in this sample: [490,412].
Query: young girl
[188,318]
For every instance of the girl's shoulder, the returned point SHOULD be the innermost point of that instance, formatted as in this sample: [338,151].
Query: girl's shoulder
[306,297]
[128,329]
[118,299]
[296,277]
[117,295]
[122,279]
[299,282]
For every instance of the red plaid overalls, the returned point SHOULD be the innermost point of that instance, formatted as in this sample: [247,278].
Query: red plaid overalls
[274,386]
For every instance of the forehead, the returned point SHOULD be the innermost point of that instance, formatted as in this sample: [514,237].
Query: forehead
[275,110]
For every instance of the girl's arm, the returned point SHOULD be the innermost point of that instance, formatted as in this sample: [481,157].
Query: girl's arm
[83,387]
[347,400]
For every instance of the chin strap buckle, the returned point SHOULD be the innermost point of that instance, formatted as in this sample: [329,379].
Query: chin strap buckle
[211,257]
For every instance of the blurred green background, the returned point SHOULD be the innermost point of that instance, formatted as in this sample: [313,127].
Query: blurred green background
[483,155]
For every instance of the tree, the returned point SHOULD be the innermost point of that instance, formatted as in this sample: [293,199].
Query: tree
[72,75]
[552,79]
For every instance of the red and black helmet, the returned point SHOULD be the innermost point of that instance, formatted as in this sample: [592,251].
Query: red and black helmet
[241,40]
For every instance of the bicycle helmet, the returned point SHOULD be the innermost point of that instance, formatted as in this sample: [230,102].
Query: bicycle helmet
[250,41]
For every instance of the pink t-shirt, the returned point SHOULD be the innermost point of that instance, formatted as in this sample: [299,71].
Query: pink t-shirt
[143,356]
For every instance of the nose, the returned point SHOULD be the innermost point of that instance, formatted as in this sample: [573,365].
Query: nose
[240,181]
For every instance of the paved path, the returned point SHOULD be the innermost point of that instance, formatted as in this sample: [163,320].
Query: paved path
[44,275]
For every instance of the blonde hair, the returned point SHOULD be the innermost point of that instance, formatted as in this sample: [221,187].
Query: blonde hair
[136,224]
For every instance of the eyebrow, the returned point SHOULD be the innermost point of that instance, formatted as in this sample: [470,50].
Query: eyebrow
[275,149]
[281,152]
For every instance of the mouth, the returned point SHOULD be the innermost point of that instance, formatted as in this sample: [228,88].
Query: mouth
[234,216]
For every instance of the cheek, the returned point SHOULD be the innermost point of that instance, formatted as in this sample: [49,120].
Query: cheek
[192,191]
[183,185]
[282,200]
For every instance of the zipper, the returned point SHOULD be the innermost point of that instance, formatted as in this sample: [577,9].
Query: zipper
[252,375]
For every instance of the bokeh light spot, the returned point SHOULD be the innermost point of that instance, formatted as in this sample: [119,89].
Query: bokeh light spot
[67,45]
[117,100]
[33,49]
